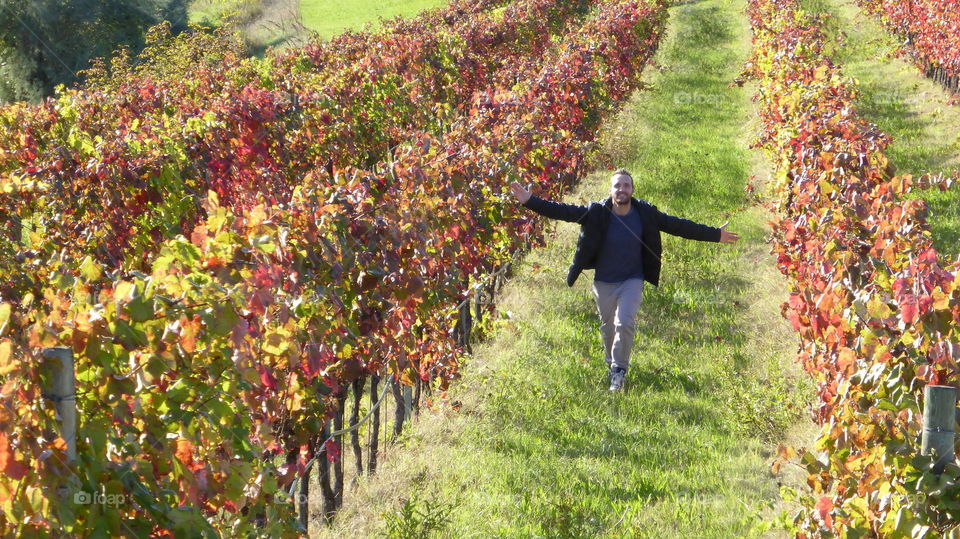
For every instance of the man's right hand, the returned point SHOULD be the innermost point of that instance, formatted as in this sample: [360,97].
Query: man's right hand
[521,194]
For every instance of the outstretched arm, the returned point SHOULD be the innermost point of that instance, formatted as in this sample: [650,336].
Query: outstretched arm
[553,210]
[694,231]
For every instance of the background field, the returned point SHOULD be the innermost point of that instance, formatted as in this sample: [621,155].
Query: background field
[329,18]
[287,23]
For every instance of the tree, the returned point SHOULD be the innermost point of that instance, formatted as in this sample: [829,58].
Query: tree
[44,43]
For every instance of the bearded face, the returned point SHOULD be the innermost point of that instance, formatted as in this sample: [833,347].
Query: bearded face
[621,189]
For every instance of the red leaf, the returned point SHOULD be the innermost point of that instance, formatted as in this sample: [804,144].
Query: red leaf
[199,237]
[267,379]
[317,358]
[9,464]
[824,506]
[333,450]
[908,309]
[184,452]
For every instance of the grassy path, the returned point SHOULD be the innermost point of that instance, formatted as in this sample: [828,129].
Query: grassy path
[904,104]
[538,446]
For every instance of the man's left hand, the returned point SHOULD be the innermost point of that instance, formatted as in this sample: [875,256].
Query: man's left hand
[726,236]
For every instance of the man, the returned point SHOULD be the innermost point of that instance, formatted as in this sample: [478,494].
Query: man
[620,240]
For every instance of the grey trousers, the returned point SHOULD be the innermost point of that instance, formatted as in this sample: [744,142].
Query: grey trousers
[617,304]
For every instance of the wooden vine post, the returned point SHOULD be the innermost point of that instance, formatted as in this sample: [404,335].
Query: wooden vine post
[62,391]
[338,463]
[399,414]
[303,502]
[939,418]
[407,402]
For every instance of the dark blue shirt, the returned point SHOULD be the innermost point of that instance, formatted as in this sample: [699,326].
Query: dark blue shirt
[621,255]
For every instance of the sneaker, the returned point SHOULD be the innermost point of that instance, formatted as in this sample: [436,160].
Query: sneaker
[616,378]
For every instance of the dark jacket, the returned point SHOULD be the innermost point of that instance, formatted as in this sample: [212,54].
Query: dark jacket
[594,220]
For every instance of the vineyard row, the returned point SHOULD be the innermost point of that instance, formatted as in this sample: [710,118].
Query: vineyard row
[226,253]
[877,312]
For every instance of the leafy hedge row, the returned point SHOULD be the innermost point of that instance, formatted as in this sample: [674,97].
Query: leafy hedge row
[931,26]
[877,311]
[225,252]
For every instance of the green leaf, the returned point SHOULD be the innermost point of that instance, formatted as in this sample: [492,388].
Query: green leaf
[221,413]
[64,281]
[178,393]
[220,320]
[130,337]
[90,270]
[264,244]
[237,480]
[187,253]
[96,432]
[162,263]
[140,309]
[156,367]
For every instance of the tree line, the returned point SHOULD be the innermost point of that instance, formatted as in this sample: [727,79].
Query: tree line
[44,43]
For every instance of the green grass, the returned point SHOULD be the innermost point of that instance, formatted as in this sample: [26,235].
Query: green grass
[333,17]
[539,447]
[901,102]
[287,23]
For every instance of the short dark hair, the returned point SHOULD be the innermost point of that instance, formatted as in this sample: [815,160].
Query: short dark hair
[622,172]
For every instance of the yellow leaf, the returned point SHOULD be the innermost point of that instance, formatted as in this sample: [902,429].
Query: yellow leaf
[876,308]
[256,216]
[408,377]
[7,364]
[122,291]
[90,270]
[275,344]
[5,309]
[941,302]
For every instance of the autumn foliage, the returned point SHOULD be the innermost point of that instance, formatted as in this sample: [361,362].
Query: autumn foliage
[876,308]
[226,243]
[931,26]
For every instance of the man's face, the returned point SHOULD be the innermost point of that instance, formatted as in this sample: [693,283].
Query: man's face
[621,189]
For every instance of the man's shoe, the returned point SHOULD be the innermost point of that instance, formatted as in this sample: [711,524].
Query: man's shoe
[616,379]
